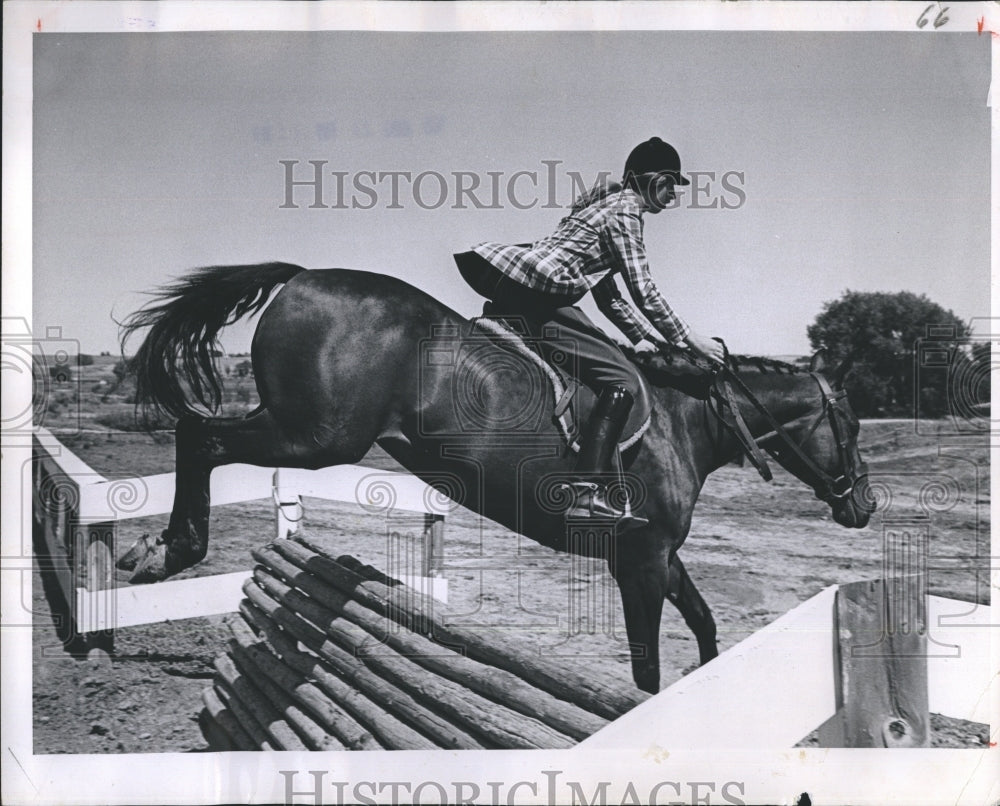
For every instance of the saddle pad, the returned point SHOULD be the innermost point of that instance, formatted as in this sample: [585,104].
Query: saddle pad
[571,400]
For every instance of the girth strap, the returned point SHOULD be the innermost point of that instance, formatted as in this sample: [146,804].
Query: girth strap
[566,398]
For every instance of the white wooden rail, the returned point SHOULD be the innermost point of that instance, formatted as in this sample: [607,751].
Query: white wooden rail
[775,687]
[78,510]
[233,484]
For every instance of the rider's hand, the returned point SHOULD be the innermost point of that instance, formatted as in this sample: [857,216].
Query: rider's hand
[709,349]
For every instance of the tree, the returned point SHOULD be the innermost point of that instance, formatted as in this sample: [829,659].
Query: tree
[883,332]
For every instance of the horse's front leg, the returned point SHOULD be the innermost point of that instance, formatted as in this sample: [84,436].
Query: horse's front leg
[641,576]
[683,595]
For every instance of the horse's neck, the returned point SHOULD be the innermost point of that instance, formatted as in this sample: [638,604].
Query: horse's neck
[786,397]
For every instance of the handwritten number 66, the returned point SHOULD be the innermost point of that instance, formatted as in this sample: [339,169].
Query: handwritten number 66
[939,20]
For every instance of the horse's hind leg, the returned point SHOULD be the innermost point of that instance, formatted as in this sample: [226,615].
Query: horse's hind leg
[683,595]
[204,443]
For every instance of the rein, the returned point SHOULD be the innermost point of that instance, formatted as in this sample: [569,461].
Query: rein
[827,488]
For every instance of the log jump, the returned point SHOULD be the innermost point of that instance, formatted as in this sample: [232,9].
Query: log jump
[329,653]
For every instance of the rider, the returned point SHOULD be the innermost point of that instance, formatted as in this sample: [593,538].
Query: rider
[542,282]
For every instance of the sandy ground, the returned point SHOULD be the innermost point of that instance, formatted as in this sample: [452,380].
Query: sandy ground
[755,551]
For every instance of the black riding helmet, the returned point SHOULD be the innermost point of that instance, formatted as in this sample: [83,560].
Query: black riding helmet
[654,156]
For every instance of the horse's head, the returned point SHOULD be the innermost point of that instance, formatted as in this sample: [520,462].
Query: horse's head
[823,447]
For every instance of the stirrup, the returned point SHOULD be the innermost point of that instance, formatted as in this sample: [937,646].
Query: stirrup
[590,503]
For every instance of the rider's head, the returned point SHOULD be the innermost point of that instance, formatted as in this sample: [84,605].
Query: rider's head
[652,170]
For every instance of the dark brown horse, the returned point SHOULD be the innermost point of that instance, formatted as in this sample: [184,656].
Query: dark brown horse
[344,359]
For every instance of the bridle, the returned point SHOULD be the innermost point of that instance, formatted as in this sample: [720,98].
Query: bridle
[827,488]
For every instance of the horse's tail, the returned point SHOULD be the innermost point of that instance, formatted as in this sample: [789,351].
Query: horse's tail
[184,321]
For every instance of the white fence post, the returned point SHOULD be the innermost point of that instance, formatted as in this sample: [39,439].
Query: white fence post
[288,510]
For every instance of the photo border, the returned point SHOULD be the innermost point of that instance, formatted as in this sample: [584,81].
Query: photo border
[830,776]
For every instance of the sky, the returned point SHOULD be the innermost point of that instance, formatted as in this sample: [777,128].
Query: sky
[862,161]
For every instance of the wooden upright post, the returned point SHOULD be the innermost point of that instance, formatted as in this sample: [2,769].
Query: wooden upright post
[432,556]
[882,665]
[287,505]
[53,501]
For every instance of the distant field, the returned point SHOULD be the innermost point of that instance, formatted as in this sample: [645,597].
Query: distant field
[96,398]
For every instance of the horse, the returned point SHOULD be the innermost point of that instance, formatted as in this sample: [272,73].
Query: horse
[344,359]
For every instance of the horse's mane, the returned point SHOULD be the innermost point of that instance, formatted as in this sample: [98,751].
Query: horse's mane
[680,369]
[741,363]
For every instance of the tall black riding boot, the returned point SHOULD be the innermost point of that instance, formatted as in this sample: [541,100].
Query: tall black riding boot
[598,445]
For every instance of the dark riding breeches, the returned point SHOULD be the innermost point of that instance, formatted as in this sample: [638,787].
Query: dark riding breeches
[600,362]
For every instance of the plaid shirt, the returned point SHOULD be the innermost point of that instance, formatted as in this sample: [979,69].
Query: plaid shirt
[601,237]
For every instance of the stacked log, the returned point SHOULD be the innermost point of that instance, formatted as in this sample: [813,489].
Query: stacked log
[329,654]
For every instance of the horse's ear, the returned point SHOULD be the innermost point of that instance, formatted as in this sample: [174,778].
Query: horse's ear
[841,372]
[818,362]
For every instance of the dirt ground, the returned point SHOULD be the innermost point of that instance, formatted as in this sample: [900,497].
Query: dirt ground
[756,550]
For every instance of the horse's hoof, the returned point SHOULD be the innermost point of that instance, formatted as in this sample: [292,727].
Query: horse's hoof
[152,568]
[139,549]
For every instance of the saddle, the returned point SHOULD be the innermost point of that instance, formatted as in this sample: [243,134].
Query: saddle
[572,400]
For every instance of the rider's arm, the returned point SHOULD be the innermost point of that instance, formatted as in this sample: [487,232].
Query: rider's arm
[613,305]
[625,243]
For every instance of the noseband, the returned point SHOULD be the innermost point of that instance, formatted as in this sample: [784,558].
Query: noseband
[827,488]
